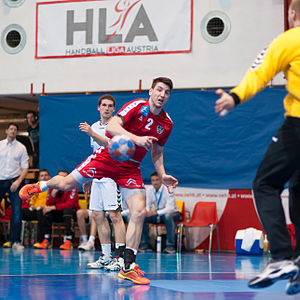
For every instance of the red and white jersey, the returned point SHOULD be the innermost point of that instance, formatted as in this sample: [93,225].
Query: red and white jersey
[139,120]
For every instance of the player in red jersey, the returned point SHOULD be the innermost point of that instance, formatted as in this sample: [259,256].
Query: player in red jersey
[147,124]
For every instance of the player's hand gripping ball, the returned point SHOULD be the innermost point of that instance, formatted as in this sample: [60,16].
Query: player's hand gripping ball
[121,148]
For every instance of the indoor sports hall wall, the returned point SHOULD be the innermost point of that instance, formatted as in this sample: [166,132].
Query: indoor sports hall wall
[203,150]
[79,46]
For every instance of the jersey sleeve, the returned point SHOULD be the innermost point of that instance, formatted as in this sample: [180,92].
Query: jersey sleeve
[268,63]
[130,109]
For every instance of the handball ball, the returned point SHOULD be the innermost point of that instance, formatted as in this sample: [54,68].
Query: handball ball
[121,148]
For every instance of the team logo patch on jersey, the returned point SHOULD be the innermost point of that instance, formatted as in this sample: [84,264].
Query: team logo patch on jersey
[90,172]
[130,181]
[141,118]
[159,129]
[145,110]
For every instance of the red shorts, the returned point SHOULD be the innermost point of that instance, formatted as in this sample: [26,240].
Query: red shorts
[100,164]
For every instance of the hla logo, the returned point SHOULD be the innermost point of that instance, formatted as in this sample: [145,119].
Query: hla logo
[141,26]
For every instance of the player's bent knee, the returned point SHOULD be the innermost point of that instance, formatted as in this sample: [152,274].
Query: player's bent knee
[138,215]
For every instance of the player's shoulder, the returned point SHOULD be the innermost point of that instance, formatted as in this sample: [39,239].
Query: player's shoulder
[290,37]
[132,105]
[136,102]
[167,117]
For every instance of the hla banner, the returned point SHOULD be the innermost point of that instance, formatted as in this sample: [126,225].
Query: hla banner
[113,27]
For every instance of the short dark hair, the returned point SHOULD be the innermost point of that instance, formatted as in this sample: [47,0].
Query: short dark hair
[44,170]
[164,80]
[12,124]
[153,174]
[108,97]
[34,113]
[64,171]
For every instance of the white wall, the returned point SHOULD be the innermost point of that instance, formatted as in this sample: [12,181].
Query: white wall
[253,25]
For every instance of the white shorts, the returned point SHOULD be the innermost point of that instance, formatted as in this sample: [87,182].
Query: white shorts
[104,196]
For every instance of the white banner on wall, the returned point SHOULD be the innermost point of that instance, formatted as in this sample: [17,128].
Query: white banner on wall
[113,27]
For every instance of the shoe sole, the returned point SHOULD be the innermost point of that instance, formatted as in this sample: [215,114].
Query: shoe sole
[293,273]
[81,249]
[131,279]
[113,269]
[293,288]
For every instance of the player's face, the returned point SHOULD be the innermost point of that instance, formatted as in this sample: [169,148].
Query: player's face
[156,182]
[44,176]
[106,108]
[159,95]
[11,132]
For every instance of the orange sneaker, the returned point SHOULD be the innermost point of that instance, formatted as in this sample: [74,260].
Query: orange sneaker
[67,245]
[28,190]
[45,244]
[135,275]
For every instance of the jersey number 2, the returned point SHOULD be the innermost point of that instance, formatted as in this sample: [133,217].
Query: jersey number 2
[150,122]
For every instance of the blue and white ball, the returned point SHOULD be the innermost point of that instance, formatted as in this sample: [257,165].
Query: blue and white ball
[121,148]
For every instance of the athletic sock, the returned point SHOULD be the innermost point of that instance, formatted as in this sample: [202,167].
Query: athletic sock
[106,249]
[92,239]
[84,238]
[119,252]
[129,257]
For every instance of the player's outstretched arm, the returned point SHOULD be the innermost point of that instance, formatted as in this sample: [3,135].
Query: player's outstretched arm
[85,127]
[225,103]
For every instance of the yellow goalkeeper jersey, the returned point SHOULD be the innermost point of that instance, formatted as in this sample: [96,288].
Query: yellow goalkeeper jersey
[283,54]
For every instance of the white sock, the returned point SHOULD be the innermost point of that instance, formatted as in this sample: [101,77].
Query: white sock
[118,245]
[106,249]
[47,236]
[84,238]
[134,250]
[43,186]
[92,239]
[67,237]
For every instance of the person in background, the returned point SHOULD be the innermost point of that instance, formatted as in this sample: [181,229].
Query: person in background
[33,132]
[161,208]
[105,196]
[84,217]
[13,169]
[61,206]
[36,203]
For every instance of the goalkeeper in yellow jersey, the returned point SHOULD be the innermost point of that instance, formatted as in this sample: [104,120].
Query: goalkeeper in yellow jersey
[281,162]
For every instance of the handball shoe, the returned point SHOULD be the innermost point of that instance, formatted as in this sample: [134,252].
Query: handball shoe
[116,264]
[7,245]
[135,275]
[274,271]
[87,246]
[17,245]
[100,263]
[67,245]
[45,244]
[28,190]
[293,286]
